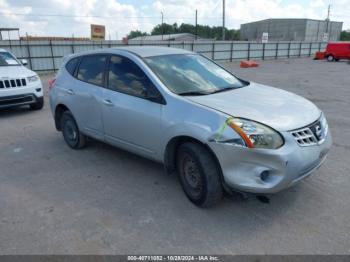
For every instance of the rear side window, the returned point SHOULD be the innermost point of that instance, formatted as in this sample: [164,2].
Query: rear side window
[92,68]
[72,65]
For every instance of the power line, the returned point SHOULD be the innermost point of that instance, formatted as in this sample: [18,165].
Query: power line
[96,16]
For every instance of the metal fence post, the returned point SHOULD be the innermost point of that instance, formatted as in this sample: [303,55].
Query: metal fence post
[289,44]
[213,51]
[29,56]
[310,48]
[52,56]
[192,46]
[319,46]
[300,49]
[263,53]
[72,46]
[276,54]
[10,45]
[231,55]
[248,55]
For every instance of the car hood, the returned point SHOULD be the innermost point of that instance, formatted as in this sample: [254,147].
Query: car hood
[271,106]
[15,71]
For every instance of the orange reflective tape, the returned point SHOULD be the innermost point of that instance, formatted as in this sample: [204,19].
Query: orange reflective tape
[239,130]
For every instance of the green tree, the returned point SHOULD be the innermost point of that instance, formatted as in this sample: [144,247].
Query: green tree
[136,33]
[345,35]
[203,31]
[164,29]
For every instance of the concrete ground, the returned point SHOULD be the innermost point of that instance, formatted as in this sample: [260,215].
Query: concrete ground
[102,200]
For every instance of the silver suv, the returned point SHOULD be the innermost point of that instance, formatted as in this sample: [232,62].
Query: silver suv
[216,131]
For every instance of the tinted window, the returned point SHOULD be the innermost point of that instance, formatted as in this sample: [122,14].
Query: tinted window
[126,77]
[91,69]
[72,65]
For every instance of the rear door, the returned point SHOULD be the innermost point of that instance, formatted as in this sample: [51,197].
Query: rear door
[86,94]
[131,120]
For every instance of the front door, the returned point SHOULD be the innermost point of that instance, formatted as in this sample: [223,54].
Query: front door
[130,120]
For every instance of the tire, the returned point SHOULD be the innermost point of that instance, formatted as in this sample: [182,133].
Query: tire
[199,175]
[38,105]
[70,131]
[330,58]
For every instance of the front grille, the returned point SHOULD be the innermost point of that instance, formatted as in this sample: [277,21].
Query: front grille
[310,135]
[13,83]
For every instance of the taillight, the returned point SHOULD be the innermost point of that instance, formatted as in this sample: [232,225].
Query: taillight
[52,83]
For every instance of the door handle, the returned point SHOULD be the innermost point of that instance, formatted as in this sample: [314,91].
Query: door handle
[70,92]
[107,102]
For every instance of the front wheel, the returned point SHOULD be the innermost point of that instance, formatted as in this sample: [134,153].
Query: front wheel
[70,131]
[330,58]
[199,175]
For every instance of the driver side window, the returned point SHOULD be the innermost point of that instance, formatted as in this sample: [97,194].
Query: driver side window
[126,77]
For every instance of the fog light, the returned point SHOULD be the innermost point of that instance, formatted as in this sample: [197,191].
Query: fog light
[38,89]
[264,176]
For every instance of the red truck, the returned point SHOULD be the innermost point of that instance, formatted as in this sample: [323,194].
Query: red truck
[338,50]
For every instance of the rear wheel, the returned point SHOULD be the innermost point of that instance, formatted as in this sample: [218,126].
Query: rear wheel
[199,175]
[330,58]
[38,105]
[70,131]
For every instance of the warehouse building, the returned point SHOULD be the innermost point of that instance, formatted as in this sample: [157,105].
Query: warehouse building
[292,29]
[168,37]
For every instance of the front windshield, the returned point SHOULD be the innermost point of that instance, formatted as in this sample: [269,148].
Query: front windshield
[6,59]
[192,74]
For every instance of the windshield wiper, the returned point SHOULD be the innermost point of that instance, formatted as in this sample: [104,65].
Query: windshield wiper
[193,93]
[223,90]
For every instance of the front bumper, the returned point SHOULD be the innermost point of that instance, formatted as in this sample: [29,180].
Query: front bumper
[18,100]
[18,96]
[242,167]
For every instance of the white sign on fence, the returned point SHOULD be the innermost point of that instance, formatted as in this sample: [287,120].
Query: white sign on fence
[265,37]
[325,37]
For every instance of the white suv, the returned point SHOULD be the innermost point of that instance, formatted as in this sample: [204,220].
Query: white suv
[18,85]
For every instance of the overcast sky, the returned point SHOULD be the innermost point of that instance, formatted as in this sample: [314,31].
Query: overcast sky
[68,17]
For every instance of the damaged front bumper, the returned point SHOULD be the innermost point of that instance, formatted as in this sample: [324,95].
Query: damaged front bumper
[266,171]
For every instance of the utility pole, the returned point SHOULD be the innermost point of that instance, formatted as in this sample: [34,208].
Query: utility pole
[196,28]
[223,19]
[162,24]
[328,14]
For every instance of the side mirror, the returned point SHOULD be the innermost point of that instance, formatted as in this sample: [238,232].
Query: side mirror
[24,61]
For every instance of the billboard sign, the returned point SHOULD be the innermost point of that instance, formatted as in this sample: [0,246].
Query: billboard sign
[98,32]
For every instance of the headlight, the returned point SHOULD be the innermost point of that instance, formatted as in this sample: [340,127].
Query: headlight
[255,135]
[33,78]
[324,127]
